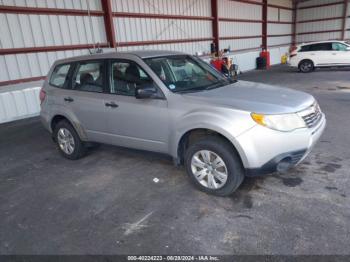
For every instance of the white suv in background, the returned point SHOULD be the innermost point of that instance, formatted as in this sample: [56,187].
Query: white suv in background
[307,57]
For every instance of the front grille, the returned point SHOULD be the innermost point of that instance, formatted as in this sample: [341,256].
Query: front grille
[313,118]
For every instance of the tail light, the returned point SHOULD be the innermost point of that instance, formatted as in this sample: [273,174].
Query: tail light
[292,55]
[42,95]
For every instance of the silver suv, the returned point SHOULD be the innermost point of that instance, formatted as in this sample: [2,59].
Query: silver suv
[221,130]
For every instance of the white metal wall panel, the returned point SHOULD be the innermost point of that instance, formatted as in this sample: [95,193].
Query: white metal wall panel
[238,10]
[320,26]
[19,104]
[21,30]
[153,29]
[228,29]
[182,7]
[238,44]
[279,29]
[318,37]
[316,2]
[272,14]
[145,29]
[191,48]
[286,15]
[246,61]
[65,4]
[284,3]
[32,64]
[277,53]
[282,40]
[320,12]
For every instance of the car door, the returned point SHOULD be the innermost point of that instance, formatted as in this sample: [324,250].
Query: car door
[321,54]
[136,123]
[340,54]
[86,98]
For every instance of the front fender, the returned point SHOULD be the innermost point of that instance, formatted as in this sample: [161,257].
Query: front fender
[229,124]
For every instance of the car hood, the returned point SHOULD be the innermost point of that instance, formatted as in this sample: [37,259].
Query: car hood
[254,97]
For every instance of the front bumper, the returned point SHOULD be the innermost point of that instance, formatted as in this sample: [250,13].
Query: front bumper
[267,150]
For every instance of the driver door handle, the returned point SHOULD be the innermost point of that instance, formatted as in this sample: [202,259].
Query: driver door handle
[111,104]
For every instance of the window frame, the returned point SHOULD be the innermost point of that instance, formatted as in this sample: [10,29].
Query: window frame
[66,84]
[74,73]
[160,94]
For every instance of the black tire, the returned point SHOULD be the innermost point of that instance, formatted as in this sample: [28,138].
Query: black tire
[306,66]
[79,146]
[230,157]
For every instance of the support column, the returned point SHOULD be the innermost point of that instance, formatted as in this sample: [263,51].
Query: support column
[294,26]
[215,15]
[108,21]
[345,12]
[264,25]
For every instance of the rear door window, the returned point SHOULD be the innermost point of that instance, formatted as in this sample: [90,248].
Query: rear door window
[321,47]
[89,77]
[59,75]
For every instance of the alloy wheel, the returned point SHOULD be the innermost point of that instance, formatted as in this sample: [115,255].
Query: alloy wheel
[65,141]
[209,169]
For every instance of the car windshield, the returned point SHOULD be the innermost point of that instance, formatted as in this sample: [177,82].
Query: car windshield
[185,73]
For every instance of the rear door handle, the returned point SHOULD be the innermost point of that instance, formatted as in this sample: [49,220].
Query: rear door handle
[111,104]
[68,99]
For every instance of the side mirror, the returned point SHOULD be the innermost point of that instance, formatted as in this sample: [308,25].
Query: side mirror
[146,92]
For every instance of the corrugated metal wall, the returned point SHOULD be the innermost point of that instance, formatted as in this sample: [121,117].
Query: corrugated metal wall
[236,29]
[279,28]
[136,29]
[19,104]
[309,30]
[33,31]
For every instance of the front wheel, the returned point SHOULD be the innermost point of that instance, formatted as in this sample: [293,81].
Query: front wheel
[306,66]
[214,166]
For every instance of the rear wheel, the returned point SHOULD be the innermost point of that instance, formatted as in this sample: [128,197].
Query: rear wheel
[214,166]
[68,141]
[306,66]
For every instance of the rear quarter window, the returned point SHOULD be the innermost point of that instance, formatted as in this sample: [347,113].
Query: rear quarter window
[59,75]
[305,48]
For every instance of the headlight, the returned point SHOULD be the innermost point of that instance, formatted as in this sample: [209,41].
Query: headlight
[284,122]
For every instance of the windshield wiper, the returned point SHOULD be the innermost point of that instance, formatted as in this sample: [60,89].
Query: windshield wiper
[202,88]
[216,85]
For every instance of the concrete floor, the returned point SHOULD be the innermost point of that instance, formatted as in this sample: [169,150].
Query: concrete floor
[107,203]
